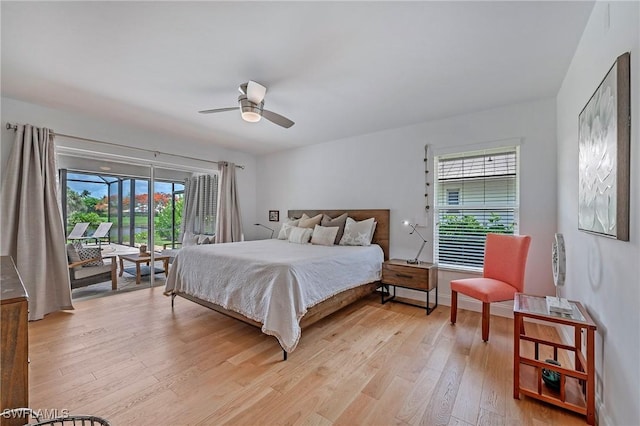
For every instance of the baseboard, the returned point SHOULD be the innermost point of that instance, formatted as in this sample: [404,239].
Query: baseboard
[502,309]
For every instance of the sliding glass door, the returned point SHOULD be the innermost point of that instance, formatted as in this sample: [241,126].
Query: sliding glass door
[168,198]
[142,202]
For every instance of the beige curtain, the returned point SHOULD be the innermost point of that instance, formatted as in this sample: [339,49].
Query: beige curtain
[32,231]
[228,224]
[200,205]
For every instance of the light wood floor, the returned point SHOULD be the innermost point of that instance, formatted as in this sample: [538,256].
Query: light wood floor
[131,359]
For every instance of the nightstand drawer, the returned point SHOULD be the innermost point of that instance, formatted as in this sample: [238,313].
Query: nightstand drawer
[422,276]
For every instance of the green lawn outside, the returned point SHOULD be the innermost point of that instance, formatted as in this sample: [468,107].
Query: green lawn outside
[141,222]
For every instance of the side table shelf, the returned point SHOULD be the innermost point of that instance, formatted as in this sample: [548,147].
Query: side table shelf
[576,389]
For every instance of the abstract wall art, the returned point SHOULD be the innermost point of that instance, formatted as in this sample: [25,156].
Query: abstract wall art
[604,155]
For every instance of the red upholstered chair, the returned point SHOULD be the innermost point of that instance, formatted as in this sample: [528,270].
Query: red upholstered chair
[505,258]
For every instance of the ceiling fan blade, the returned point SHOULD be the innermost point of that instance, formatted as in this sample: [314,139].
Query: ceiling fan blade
[209,111]
[255,92]
[277,119]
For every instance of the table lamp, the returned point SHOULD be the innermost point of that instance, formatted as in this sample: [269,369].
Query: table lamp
[270,229]
[424,241]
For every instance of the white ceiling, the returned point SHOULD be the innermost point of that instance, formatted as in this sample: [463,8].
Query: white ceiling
[337,69]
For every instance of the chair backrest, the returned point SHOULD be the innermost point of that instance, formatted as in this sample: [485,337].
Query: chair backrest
[78,230]
[103,230]
[505,258]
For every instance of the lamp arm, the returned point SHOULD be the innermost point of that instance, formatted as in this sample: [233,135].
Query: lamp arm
[424,241]
[266,227]
[417,232]
[416,260]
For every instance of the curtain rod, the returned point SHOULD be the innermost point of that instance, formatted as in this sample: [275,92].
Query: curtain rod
[155,153]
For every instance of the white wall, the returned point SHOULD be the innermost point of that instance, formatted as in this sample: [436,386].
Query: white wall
[89,127]
[604,273]
[386,170]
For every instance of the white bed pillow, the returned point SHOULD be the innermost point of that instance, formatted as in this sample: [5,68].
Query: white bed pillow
[358,233]
[189,239]
[324,235]
[300,235]
[285,230]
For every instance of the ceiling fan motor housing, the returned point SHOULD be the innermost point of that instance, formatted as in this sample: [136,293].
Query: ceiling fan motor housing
[250,111]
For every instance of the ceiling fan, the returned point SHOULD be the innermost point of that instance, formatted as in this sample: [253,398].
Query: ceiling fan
[251,106]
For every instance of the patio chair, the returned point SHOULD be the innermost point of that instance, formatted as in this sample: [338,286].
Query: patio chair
[78,231]
[101,232]
[87,266]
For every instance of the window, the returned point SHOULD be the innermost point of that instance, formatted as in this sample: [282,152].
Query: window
[476,193]
[453,197]
[124,201]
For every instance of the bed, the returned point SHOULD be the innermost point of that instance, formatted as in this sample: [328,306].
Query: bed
[278,286]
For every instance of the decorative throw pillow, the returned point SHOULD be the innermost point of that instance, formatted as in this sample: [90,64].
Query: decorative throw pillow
[204,239]
[324,236]
[285,230]
[189,239]
[73,256]
[87,253]
[310,222]
[339,221]
[358,233]
[300,235]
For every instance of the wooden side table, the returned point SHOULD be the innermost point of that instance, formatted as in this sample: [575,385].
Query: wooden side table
[576,387]
[418,276]
[138,260]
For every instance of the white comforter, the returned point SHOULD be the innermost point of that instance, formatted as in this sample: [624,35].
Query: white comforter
[273,282]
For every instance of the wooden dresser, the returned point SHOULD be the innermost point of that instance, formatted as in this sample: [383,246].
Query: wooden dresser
[14,358]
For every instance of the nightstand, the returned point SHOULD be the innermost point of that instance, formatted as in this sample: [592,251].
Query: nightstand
[419,276]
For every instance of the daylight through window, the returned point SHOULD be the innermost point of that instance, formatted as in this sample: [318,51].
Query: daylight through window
[476,193]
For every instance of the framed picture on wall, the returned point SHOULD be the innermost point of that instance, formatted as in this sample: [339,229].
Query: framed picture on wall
[274,216]
[604,127]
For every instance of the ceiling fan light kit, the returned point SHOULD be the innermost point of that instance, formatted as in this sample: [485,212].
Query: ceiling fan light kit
[251,106]
[250,112]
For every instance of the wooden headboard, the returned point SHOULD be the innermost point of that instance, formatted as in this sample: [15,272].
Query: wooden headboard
[380,237]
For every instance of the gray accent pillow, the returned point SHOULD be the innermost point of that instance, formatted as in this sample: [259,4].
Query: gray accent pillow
[338,221]
[204,239]
[73,256]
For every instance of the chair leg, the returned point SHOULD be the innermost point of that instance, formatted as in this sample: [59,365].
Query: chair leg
[486,313]
[454,306]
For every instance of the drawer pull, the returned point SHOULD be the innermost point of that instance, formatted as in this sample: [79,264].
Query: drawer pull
[404,276]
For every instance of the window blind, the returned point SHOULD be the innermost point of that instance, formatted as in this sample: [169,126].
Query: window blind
[485,184]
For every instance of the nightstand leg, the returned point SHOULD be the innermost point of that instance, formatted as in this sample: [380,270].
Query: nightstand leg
[435,305]
[387,291]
